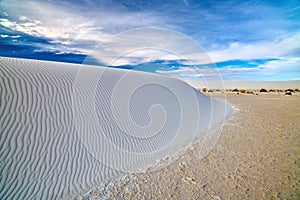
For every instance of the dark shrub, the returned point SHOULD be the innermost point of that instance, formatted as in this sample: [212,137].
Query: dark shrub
[272,90]
[263,90]
[289,90]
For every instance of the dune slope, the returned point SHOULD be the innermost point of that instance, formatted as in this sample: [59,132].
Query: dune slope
[67,128]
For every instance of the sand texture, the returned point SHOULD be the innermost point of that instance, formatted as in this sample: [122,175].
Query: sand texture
[256,157]
[67,128]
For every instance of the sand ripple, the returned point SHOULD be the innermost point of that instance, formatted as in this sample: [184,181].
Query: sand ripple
[66,128]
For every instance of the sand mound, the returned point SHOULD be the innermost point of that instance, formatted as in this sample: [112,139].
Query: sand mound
[66,128]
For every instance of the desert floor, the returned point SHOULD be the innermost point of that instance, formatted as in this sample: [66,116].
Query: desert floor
[256,157]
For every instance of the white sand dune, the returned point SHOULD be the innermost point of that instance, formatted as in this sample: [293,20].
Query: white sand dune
[67,128]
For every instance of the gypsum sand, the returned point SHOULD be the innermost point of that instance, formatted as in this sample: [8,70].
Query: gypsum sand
[256,157]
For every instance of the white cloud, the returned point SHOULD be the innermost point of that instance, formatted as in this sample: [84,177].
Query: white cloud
[134,46]
[278,48]
[9,36]
[290,66]
[15,36]
[149,44]
[282,69]
[181,48]
[4,36]
[66,24]
[192,73]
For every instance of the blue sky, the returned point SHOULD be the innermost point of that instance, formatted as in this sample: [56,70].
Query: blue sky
[247,40]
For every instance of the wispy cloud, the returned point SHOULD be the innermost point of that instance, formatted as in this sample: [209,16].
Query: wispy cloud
[184,72]
[77,26]
[283,46]
[281,69]
[146,45]
[9,36]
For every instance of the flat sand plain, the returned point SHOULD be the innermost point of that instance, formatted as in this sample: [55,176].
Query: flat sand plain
[256,157]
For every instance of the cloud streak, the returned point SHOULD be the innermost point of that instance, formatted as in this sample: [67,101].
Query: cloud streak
[279,47]
[70,26]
